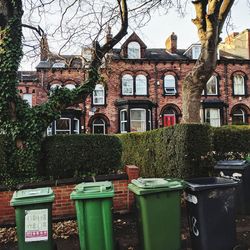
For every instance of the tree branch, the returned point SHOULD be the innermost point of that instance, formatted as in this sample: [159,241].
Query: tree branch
[224,10]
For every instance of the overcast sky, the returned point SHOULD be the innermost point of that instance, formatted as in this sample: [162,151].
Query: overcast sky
[154,34]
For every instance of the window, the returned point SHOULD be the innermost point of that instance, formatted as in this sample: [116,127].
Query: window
[212,116]
[134,50]
[123,121]
[99,95]
[54,86]
[239,116]
[150,119]
[28,98]
[137,120]
[127,85]
[63,126]
[212,88]
[169,85]
[141,85]
[70,86]
[49,130]
[98,126]
[238,85]
[76,126]
[196,50]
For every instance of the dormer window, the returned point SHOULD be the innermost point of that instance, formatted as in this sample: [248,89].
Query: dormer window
[196,51]
[193,51]
[169,85]
[134,50]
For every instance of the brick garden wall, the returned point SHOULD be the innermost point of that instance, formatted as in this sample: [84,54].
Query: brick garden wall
[63,207]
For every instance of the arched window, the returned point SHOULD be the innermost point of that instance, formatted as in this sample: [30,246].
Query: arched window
[169,85]
[127,85]
[141,85]
[70,86]
[54,86]
[239,116]
[98,126]
[99,95]
[212,86]
[134,50]
[238,85]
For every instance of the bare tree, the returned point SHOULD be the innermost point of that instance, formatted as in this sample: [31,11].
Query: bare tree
[210,18]
[22,125]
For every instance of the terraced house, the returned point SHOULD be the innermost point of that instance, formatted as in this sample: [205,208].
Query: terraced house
[142,87]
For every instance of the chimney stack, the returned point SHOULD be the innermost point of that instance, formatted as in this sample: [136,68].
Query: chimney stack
[171,43]
[109,36]
[44,47]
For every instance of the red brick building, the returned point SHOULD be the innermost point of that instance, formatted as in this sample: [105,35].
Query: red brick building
[142,87]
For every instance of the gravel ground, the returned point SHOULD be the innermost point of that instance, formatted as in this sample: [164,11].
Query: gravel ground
[125,232]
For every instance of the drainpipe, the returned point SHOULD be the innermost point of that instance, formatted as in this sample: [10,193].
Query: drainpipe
[226,92]
[156,94]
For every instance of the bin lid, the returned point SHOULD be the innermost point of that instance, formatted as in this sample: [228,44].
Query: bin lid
[142,186]
[232,164]
[32,196]
[205,183]
[89,190]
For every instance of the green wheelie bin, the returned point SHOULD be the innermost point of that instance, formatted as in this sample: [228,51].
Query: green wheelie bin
[159,212]
[93,202]
[33,209]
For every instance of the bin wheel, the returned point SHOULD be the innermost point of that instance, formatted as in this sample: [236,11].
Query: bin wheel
[240,247]
[54,246]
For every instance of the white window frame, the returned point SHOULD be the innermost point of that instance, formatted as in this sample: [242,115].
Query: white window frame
[127,85]
[239,82]
[28,99]
[123,121]
[63,130]
[196,51]
[55,85]
[70,86]
[169,85]
[213,121]
[143,121]
[150,119]
[213,79]
[243,114]
[134,50]
[77,127]
[99,100]
[99,125]
[141,85]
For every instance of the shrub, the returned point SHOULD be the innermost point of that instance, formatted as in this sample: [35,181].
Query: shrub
[231,142]
[73,155]
[179,151]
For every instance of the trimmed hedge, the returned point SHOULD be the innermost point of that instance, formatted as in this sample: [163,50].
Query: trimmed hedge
[65,156]
[3,155]
[231,142]
[180,151]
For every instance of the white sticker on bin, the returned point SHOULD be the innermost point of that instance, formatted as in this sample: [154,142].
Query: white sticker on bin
[36,225]
[191,198]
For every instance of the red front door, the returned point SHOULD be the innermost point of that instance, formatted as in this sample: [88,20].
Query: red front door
[169,120]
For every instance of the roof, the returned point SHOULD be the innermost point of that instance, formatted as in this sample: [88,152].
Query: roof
[27,76]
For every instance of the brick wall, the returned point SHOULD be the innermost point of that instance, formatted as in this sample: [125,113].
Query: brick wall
[63,207]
